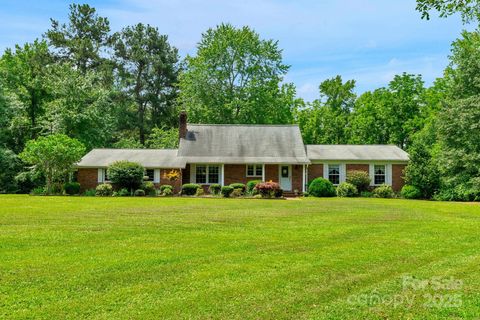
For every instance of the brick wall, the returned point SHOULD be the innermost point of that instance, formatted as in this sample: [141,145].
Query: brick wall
[177,185]
[237,173]
[87,178]
[358,167]
[297,177]
[315,171]
[397,176]
[271,172]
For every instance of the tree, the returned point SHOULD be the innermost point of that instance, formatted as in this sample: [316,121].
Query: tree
[236,77]
[148,68]
[326,120]
[10,166]
[82,40]
[469,9]
[79,107]
[54,156]
[24,73]
[163,139]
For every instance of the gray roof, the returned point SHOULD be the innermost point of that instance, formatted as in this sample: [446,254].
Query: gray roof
[243,144]
[356,152]
[149,158]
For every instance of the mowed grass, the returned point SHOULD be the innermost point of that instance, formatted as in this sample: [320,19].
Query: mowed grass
[157,258]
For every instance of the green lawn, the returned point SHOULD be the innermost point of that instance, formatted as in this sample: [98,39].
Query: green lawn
[152,258]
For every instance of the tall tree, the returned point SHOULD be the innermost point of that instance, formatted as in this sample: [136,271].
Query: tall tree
[468,9]
[82,40]
[326,120]
[24,73]
[148,68]
[236,77]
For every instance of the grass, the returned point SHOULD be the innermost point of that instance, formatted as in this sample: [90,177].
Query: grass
[152,258]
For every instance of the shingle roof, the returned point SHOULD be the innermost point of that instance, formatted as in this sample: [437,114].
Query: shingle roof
[149,158]
[356,152]
[243,144]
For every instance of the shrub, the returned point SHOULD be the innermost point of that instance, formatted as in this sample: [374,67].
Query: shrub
[366,194]
[71,188]
[166,190]
[346,189]
[411,192]
[90,193]
[226,191]
[237,193]
[383,191]
[200,192]
[123,192]
[251,185]
[28,180]
[360,179]
[39,191]
[215,189]
[239,186]
[321,187]
[104,190]
[139,193]
[458,193]
[269,189]
[190,189]
[149,188]
[126,174]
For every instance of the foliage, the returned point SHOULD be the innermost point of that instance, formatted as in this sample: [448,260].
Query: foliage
[200,192]
[90,192]
[167,192]
[39,191]
[383,191]
[251,185]
[139,193]
[469,9]
[321,187]
[53,155]
[411,192]
[127,143]
[104,190]
[164,187]
[240,186]
[149,188]
[236,77]
[10,166]
[173,175]
[214,189]
[366,194]
[360,179]
[126,174]
[237,193]
[28,180]
[163,139]
[124,192]
[190,189]
[148,69]
[71,188]
[346,189]
[269,189]
[226,191]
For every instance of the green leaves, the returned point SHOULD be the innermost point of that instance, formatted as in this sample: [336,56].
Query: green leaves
[469,9]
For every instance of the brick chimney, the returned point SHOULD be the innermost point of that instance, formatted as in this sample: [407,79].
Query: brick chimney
[182,125]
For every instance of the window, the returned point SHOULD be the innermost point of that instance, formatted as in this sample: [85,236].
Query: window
[207,174]
[254,170]
[334,173]
[150,173]
[105,175]
[379,174]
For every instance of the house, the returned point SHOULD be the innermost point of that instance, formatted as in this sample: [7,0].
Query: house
[225,154]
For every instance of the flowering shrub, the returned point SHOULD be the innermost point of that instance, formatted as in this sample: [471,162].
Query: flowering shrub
[173,175]
[269,189]
[104,190]
[346,189]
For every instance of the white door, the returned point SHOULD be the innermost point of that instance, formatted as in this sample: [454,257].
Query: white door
[285,173]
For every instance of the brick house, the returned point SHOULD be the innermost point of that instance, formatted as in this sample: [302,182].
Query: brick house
[226,154]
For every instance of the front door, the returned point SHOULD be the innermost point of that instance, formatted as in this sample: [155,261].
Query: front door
[285,177]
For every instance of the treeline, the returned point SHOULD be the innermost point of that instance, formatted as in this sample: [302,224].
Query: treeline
[125,89]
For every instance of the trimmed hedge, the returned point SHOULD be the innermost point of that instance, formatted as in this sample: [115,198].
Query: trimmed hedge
[190,189]
[126,174]
[251,185]
[215,189]
[71,188]
[139,193]
[226,191]
[346,189]
[239,186]
[360,179]
[411,192]
[383,191]
[321,187]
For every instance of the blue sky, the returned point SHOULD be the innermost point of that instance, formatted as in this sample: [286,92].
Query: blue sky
[366,40]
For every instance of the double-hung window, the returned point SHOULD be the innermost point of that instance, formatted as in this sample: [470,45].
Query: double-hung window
[150,173]
[105,175]
[334,173]
[254,170]
[207,174]
[379,174]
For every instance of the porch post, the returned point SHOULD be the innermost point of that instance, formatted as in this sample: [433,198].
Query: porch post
[304,174]
[223,175]
[263,172]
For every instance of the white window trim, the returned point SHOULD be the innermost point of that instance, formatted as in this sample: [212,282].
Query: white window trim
[388,173]
[342,167]
[156,176]
[193,173]
[255,166]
